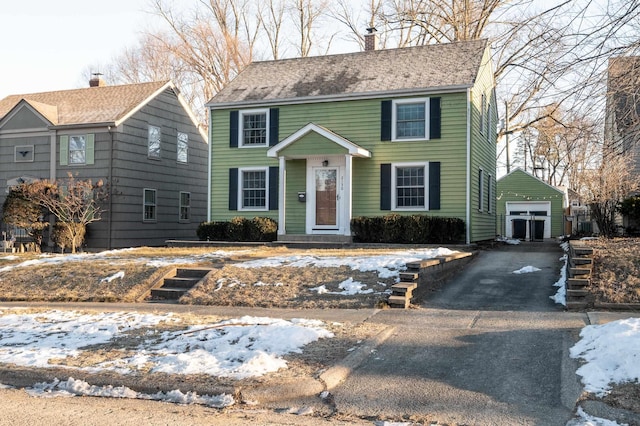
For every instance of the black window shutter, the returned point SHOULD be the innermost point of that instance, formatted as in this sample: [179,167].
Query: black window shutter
[385,186]
[274,118]
[233,129]
[274,177]
[233,189]
[434,118]
[434,185]
[385,122]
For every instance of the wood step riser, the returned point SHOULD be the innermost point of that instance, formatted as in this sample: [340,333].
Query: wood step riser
[186,283]
[167,293]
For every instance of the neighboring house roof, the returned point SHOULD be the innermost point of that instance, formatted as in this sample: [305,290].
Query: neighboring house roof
[393,71]
[91,105]
[518,170]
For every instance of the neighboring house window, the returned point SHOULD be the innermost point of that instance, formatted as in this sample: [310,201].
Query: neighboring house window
[410,119]
[253,189]
[149,205]
[23,154]
[481,190]
[185,206]
[414,119]
[489,131]
[77,150]
[154,142]
[253,128]
[183,147]
[410,186]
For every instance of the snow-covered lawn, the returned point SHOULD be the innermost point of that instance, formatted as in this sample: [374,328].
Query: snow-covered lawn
[236,348]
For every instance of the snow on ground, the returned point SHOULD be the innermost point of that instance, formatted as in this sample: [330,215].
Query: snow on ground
[584,419]
[561,295]
[611,353]
[527,270]
[115,255]
[236,348]
[72,387]
[387,265]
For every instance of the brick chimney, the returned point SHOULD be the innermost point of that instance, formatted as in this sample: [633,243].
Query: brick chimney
[371,39]
[96,80]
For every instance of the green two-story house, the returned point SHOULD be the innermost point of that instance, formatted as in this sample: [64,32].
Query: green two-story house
[313,142]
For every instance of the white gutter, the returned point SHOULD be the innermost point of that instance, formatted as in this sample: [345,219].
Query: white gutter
[468,219]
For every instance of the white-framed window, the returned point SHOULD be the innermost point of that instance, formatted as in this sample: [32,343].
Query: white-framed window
[23,154]
[410,119]
[253,188]
[149,205]
[185,206]
[409,188]
[183,148]
[77,149]
[155,137]
[254,127]
[480,190]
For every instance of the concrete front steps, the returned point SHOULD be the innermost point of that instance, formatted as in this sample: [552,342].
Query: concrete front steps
[176,283]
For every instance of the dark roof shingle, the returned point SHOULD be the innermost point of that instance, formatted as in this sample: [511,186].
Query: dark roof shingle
[352,74]
[85,106]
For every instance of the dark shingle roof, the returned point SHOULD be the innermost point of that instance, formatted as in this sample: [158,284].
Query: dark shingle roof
[90,105]
[361,73]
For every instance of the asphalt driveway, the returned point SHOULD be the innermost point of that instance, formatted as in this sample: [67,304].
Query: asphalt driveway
[490,348]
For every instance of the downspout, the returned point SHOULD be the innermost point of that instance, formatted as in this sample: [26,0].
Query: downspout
[468,219]
[110,181]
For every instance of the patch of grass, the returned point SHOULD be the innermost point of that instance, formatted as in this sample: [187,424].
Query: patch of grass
[616,270]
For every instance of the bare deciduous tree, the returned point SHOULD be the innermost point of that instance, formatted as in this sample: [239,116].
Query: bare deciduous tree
[74,203]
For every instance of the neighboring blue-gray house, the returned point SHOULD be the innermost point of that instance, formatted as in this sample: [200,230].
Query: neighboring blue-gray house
[142,139]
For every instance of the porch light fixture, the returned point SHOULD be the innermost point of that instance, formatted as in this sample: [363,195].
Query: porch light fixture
[325,163]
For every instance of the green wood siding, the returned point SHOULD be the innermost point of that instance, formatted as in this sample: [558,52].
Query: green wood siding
[519,186]
[313,144]
[483,154]
[296,182]
[359,122]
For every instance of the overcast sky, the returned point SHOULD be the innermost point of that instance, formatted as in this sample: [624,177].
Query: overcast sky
[48,43]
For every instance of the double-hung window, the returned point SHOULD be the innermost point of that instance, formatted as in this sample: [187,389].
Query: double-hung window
[410,186]
[411,119]
[153,149]
[253,189]
[185,206]
[149,205]
[254,128]
[183,147]
[77,149]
